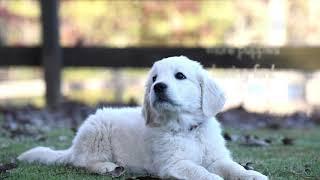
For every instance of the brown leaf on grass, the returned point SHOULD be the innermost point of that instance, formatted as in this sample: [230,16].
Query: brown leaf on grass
[254,141]
[144,178]
[268,140]
[230,137]
[248,166]
[287,141]
[227,136]
[5,167]
[41,137]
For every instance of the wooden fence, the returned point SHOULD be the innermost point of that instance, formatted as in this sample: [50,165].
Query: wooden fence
[52,57]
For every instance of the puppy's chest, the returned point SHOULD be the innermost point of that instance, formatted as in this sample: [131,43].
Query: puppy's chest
[180,146]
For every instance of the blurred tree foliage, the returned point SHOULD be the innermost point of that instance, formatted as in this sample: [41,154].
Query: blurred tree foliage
[130,23]
[146,23]
[167,23]
[19,22]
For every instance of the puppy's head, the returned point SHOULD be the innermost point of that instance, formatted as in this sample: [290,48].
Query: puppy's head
[178,85]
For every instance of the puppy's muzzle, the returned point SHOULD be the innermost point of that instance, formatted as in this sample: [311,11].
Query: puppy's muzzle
[160,88]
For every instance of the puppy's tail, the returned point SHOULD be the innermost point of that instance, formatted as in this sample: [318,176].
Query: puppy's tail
[46,155]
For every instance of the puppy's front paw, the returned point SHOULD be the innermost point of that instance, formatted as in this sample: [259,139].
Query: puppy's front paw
[107,168]
[117,172]
[250,175]
[213,177]
[217,178]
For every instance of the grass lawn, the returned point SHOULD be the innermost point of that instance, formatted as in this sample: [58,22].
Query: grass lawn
[298,161]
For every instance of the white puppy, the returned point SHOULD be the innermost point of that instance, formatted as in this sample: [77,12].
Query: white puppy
[174,135]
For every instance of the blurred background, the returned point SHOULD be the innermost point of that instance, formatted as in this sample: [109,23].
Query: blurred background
[60,60]
[253,31]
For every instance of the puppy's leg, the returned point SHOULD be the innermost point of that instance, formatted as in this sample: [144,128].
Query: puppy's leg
[106,168]
[93,149]
[188,170]
[233,171]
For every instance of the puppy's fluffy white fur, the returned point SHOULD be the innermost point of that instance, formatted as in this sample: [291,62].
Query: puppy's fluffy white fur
[177,137]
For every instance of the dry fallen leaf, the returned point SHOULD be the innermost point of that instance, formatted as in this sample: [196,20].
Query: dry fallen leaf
[254,141]
[227,137]
[143,178]
[287,141]
[248,166]
[5,167]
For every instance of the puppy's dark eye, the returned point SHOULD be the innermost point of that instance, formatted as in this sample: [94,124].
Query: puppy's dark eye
[154,78]
[180,76]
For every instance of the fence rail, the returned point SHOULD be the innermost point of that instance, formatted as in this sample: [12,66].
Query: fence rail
[52,58]
[304,58]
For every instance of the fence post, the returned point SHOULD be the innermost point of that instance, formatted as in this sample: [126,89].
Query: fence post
[51,51]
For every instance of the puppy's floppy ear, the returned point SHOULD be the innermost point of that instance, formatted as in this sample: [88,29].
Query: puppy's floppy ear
[147,111]
[213,98]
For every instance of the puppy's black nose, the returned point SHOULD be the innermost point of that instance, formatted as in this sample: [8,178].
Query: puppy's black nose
[160,87]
